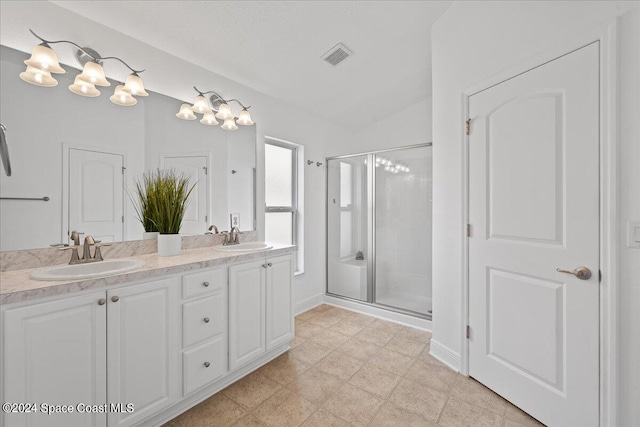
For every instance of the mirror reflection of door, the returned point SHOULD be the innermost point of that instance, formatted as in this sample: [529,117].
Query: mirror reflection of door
[196,168]
[96,194]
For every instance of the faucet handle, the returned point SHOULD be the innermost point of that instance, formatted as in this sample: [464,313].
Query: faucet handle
[74,253]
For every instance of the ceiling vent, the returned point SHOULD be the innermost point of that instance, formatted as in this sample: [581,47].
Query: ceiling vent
[337,54]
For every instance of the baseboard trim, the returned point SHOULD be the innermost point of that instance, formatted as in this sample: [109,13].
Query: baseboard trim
[308,304]
[445,355]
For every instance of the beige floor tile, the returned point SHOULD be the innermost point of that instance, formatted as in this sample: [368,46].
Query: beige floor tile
[315,385]
[306,315]
[419,399]
[407,347]
[324,418]
[391,361]
[353,405]
[306,330]
[324,320]
[475,393]
[347,327]
[340,365]
[360,318]
[458,413]
[248,420]
[284,409]
[362,350]
[218,410]
[375,381]
[296,342]
[393,416]
[374,336]
[252,390]
[414,334]
[385,325]
[513,413]
[284,368]
[433,376]
[310,352]
[331,339]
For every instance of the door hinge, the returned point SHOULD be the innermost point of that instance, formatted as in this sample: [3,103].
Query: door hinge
[467,126]
[468,230]
[123,219]
[599,275]
[206,170]
[206,219]
[468,331]
[123,169]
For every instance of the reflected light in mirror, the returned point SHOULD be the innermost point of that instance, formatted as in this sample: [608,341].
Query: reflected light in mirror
[229,124]
[186,113]
[83,88]
[122,97]
[94,73]
[200,105]
[134,85]
[244,118]
[37,77]
[209,119]
[224,112]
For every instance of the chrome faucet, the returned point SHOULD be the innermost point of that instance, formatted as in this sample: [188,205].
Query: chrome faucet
[86,249]
[232,238]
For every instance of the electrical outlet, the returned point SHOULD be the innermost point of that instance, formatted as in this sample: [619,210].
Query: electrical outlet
[633,234]
[235,220]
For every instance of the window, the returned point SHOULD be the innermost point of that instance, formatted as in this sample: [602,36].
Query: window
[282,214]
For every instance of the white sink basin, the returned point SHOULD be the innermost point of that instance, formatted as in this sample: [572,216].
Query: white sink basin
[244,247]
[87,271]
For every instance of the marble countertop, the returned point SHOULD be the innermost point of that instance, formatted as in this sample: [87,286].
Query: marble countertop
[17,286]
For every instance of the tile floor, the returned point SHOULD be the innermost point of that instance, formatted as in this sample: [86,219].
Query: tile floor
[349,369]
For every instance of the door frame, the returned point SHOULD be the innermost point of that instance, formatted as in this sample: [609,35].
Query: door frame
[207,155]
[66,151]
[606,35]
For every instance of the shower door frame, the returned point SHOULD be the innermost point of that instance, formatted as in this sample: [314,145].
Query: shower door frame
[371,231]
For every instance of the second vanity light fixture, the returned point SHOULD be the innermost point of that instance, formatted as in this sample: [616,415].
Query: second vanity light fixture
[44,61]
[219,108]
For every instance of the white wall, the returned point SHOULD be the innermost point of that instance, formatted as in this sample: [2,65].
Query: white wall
[174,77]
[473,41]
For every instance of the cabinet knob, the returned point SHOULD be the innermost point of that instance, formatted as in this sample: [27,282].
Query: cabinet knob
[264,265]
[115,298]
[102,301]
[207,364]
[269,264]
[205,284]
[206,320]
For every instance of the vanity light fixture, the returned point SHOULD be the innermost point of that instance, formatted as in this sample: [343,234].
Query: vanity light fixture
[44,61]
[215,107]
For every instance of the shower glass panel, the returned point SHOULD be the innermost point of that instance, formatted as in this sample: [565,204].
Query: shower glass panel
[379,229]
[403,229]
[347,237]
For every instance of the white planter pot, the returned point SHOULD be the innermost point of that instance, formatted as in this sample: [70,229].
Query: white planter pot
[150,235]
[169,244]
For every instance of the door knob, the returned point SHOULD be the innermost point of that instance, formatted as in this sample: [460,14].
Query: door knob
[582,273]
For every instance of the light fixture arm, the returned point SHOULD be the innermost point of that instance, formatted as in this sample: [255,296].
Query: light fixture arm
[89,54]
[217,95]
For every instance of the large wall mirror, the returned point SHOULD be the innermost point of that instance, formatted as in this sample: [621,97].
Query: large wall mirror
[85,155]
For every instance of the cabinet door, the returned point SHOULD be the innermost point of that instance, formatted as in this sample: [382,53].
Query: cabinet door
[279,301]
[246,312]
[55,353]
[143,349]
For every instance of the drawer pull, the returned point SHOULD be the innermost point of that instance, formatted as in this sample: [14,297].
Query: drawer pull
[264,265]
[206,320]
[269,264]
[102,301]
[205,284]
[207,364]
[115,298]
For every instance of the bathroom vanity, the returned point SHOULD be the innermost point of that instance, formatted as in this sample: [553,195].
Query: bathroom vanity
[149,343]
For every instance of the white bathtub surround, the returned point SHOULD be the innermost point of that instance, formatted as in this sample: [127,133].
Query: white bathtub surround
[169,244]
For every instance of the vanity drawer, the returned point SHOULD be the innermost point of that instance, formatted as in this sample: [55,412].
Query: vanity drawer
[203,283]
[203,318]
[204,364]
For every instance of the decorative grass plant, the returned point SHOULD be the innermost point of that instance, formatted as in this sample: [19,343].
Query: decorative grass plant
[144,200]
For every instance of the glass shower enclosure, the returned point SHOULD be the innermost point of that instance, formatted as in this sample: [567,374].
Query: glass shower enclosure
[379,228]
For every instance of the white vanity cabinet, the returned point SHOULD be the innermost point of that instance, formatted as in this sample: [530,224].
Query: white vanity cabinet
[260,308]
[73,350]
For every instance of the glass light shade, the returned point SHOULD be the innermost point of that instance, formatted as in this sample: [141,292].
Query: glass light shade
[45,59]
[186,113]
[37,77]
[245,118]
[201,105]
[94,73]
[229,124]
[83,88]
[122,97]
[134,85]
[224,112]
[209,119]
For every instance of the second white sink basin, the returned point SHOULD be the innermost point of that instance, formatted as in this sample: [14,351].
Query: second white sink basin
[244,247]
[87,271]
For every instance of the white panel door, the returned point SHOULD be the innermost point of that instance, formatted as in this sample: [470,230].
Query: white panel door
[279,296]
[196,215]
[143,349]
[533,208]
[96,191]
[246,312]
[55,353]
